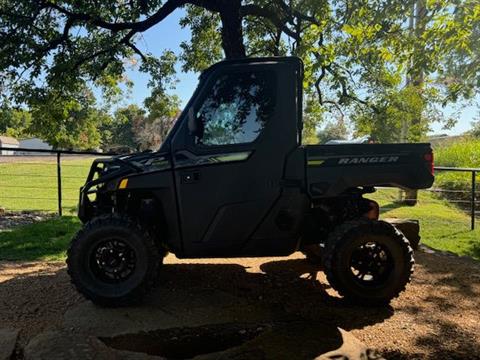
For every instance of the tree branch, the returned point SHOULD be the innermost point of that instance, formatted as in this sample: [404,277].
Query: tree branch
[140,26]
[136,50]
[345,93]
[63,38]
[338,107]
[255,10]
[296,14]
[134,27]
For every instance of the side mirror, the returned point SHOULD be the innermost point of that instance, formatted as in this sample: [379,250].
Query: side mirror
[192,123]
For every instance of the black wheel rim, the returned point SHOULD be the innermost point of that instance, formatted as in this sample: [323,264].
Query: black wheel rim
[112,261]
[371,264]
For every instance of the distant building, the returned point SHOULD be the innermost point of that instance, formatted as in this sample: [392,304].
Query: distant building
[34,143]
[8,142]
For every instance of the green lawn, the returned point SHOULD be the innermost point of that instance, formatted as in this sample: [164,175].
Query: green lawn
[442,227]
[46,240]
[32,184]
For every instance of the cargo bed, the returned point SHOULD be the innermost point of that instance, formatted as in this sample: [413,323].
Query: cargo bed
[332,169]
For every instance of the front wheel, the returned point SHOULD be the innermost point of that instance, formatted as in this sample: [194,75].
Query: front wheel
[113,260]
[368,262]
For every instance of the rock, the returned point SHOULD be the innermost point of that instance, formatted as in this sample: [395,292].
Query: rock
[427,250]
[409,227]
[352,349]
[8,340]
[11,219]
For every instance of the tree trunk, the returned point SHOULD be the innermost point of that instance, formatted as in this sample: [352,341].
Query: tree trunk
[417,25]
[232,31]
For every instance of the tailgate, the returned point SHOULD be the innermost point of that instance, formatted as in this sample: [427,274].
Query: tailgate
[332,169]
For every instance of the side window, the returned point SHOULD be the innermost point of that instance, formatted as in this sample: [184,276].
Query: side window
[236,109]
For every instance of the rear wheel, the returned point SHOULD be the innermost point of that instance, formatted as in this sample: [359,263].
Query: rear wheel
[113,260]
[368,262]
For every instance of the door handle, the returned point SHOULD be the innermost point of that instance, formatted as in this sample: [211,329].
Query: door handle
[190,177]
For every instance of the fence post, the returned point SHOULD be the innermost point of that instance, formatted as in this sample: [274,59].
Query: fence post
[474,173]
[59,183]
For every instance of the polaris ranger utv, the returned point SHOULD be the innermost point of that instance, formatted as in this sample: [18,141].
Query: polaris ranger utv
[232,179]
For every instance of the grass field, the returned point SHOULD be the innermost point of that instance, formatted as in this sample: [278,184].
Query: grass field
[443,227]
[31,184]
[46,240]
[463,153]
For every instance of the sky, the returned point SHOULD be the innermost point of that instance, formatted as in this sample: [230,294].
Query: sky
[168,35]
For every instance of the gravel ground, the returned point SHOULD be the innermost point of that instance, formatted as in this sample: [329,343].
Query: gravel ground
[436,318]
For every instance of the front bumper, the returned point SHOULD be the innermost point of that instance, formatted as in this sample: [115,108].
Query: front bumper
[102,178]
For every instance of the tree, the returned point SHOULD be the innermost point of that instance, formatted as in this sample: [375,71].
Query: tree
[59,44]
[14,122]
[396,110]
[163,112]
[332,131]
[63,122]
[121,130]
[149,135]
[475,131]
[142,129]
[67,122]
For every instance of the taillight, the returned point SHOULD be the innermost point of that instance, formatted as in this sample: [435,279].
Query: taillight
[429,158]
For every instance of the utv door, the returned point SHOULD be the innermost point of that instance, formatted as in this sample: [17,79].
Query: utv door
[229,154]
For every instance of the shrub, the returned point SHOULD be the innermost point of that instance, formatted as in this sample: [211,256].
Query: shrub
[464,153]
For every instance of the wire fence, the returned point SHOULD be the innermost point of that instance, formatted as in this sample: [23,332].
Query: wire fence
[43,180]
[464,198]
[49,181]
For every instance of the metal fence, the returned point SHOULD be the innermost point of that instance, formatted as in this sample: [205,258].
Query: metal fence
[49,180]
[473,172]
[464,198]
[42,180]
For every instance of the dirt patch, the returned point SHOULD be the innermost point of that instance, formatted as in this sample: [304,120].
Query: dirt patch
[436,318]
[34,296]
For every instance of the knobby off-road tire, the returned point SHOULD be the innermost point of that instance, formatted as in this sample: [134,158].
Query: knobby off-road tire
[113,260]
[357,246]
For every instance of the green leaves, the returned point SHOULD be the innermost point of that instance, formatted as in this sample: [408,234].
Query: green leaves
[14,122]
[359,55]
[204,47]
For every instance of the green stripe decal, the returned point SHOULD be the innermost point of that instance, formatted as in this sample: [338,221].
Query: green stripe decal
[314,162]
[240,156]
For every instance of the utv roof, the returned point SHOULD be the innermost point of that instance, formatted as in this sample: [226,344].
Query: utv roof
[255,60]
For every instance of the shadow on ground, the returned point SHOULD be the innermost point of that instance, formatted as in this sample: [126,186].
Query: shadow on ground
[281,309]
[282,312]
